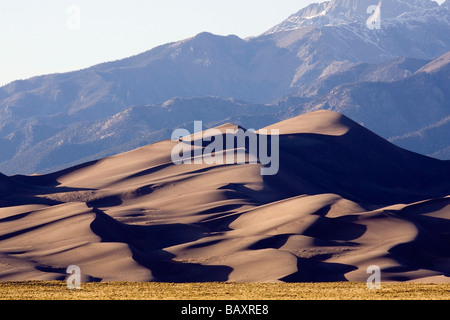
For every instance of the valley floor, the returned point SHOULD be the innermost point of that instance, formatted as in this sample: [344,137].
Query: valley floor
[57,290]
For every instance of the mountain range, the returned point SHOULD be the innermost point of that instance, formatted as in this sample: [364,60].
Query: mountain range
[393,80]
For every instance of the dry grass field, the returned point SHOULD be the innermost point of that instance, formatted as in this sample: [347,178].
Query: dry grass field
[57,290]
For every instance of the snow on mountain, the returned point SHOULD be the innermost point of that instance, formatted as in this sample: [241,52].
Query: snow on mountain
[338,12]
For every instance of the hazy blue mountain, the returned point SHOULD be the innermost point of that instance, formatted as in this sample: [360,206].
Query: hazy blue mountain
[446,4]
[432,140]
[129,129]
[406,110]
[323,54]
[346,72]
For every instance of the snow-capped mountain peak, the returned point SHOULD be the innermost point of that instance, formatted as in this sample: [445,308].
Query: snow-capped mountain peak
[337,12]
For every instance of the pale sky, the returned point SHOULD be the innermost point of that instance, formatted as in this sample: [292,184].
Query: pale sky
[47,36]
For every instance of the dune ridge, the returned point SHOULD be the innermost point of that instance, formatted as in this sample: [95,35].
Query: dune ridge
[343,199]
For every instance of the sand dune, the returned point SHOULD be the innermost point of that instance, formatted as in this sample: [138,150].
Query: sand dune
[342,200]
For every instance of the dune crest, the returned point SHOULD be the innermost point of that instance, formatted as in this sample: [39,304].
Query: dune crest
[320,122]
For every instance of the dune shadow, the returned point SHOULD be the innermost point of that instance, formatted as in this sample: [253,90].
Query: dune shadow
[335,229]
[24,190]
[313,270]
[273,242]
[358,166]
[430,249]
[147,243]
[63,273]
[327,232]
[25,199]
[109,201]
[49,179]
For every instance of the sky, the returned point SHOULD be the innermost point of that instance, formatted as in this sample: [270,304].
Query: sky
[47,36]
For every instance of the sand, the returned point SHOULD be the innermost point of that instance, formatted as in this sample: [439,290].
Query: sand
[343,199]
